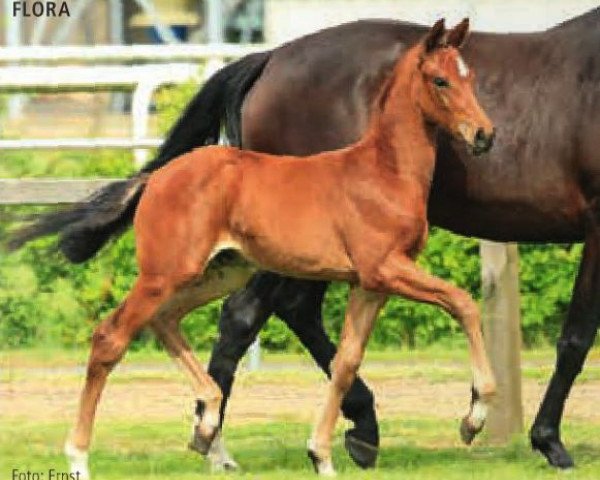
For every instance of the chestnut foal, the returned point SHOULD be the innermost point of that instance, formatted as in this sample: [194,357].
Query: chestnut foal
[210,218]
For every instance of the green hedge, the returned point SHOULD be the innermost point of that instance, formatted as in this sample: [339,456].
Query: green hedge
[45,301]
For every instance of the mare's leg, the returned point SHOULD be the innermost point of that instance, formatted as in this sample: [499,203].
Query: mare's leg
[243,315]
[109,343]
[360,317]
[299,305]
[401,276]
[577,337]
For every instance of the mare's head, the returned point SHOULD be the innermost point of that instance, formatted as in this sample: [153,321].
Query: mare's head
[443,87]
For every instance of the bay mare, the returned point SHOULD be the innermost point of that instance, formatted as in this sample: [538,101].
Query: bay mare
[358,214]
[313,94]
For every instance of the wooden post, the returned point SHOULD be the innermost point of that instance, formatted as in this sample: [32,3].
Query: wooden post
[502,331]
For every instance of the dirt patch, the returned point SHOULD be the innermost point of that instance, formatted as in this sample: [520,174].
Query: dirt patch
[155,399]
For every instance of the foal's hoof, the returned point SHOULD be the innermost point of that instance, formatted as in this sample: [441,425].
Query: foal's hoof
[78,462]
[553,449]
[467,431]
[322,466]
[228,465]
[218,456]
[364,454]
[201,443]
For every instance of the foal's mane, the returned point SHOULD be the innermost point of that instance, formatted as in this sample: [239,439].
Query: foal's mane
[383,94]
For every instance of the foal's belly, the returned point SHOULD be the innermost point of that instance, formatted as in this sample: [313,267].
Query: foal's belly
[303,257]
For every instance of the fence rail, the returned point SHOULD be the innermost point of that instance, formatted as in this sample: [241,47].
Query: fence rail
[47,191]
[79,143]
[126,53]
[54,71]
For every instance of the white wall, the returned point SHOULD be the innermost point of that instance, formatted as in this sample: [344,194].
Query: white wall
[287,19]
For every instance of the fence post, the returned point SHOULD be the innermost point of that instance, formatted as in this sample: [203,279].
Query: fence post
[140,115]
[13,32]
[502,331]
[254,355]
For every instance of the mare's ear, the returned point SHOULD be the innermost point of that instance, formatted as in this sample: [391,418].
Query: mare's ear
[458,36]
[435,36]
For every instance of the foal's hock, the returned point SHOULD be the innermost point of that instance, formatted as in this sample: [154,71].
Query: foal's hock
[356,214]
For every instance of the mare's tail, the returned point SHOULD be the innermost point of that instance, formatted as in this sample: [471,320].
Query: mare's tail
[85,227]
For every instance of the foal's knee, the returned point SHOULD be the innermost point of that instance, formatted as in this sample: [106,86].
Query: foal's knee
[107,348]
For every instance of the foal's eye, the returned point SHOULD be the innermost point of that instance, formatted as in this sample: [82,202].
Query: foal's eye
[441,82]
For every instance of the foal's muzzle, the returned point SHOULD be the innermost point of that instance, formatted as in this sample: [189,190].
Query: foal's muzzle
[482,141]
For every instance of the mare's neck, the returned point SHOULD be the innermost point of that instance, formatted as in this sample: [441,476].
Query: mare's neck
[404,140]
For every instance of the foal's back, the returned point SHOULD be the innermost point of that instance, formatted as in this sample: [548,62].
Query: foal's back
[238,195]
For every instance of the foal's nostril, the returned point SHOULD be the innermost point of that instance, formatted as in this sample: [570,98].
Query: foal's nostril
[480,136]
[482,141]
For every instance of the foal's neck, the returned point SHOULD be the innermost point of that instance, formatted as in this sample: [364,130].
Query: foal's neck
[404,140]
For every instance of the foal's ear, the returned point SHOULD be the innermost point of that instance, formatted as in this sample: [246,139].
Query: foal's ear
[458,36]
[435,36]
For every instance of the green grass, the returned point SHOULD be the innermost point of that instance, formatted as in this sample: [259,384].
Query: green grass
[433,364]
[412,447]
[415,448]
[59,356]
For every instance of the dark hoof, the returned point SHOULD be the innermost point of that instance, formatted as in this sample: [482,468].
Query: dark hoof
[554,451]
[364,454]
[200,443]
[467,431]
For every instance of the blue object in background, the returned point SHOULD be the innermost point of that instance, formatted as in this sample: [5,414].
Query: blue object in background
[180,32]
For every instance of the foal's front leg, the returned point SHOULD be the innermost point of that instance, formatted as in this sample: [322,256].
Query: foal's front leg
[361,313]
[401,276]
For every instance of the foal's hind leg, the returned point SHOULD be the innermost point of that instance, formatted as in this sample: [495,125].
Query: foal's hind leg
[109,342]
[207,391]
[225,274]
[403,277]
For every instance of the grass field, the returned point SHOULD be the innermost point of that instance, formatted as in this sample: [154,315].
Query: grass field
[144,419]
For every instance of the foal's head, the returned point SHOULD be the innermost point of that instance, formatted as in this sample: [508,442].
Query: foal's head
[444,87]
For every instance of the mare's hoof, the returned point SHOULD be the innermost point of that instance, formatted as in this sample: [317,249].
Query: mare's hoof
[467,431]
[201,443]
[553,449]
[362,453]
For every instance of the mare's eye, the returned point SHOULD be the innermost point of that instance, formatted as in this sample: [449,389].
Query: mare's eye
[441,82]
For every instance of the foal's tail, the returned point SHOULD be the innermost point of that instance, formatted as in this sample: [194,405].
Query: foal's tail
[85,227]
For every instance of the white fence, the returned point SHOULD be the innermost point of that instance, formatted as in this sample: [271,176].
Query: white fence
[78,68]
[59,73]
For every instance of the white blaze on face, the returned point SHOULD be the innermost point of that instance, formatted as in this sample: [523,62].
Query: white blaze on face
[463,70]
